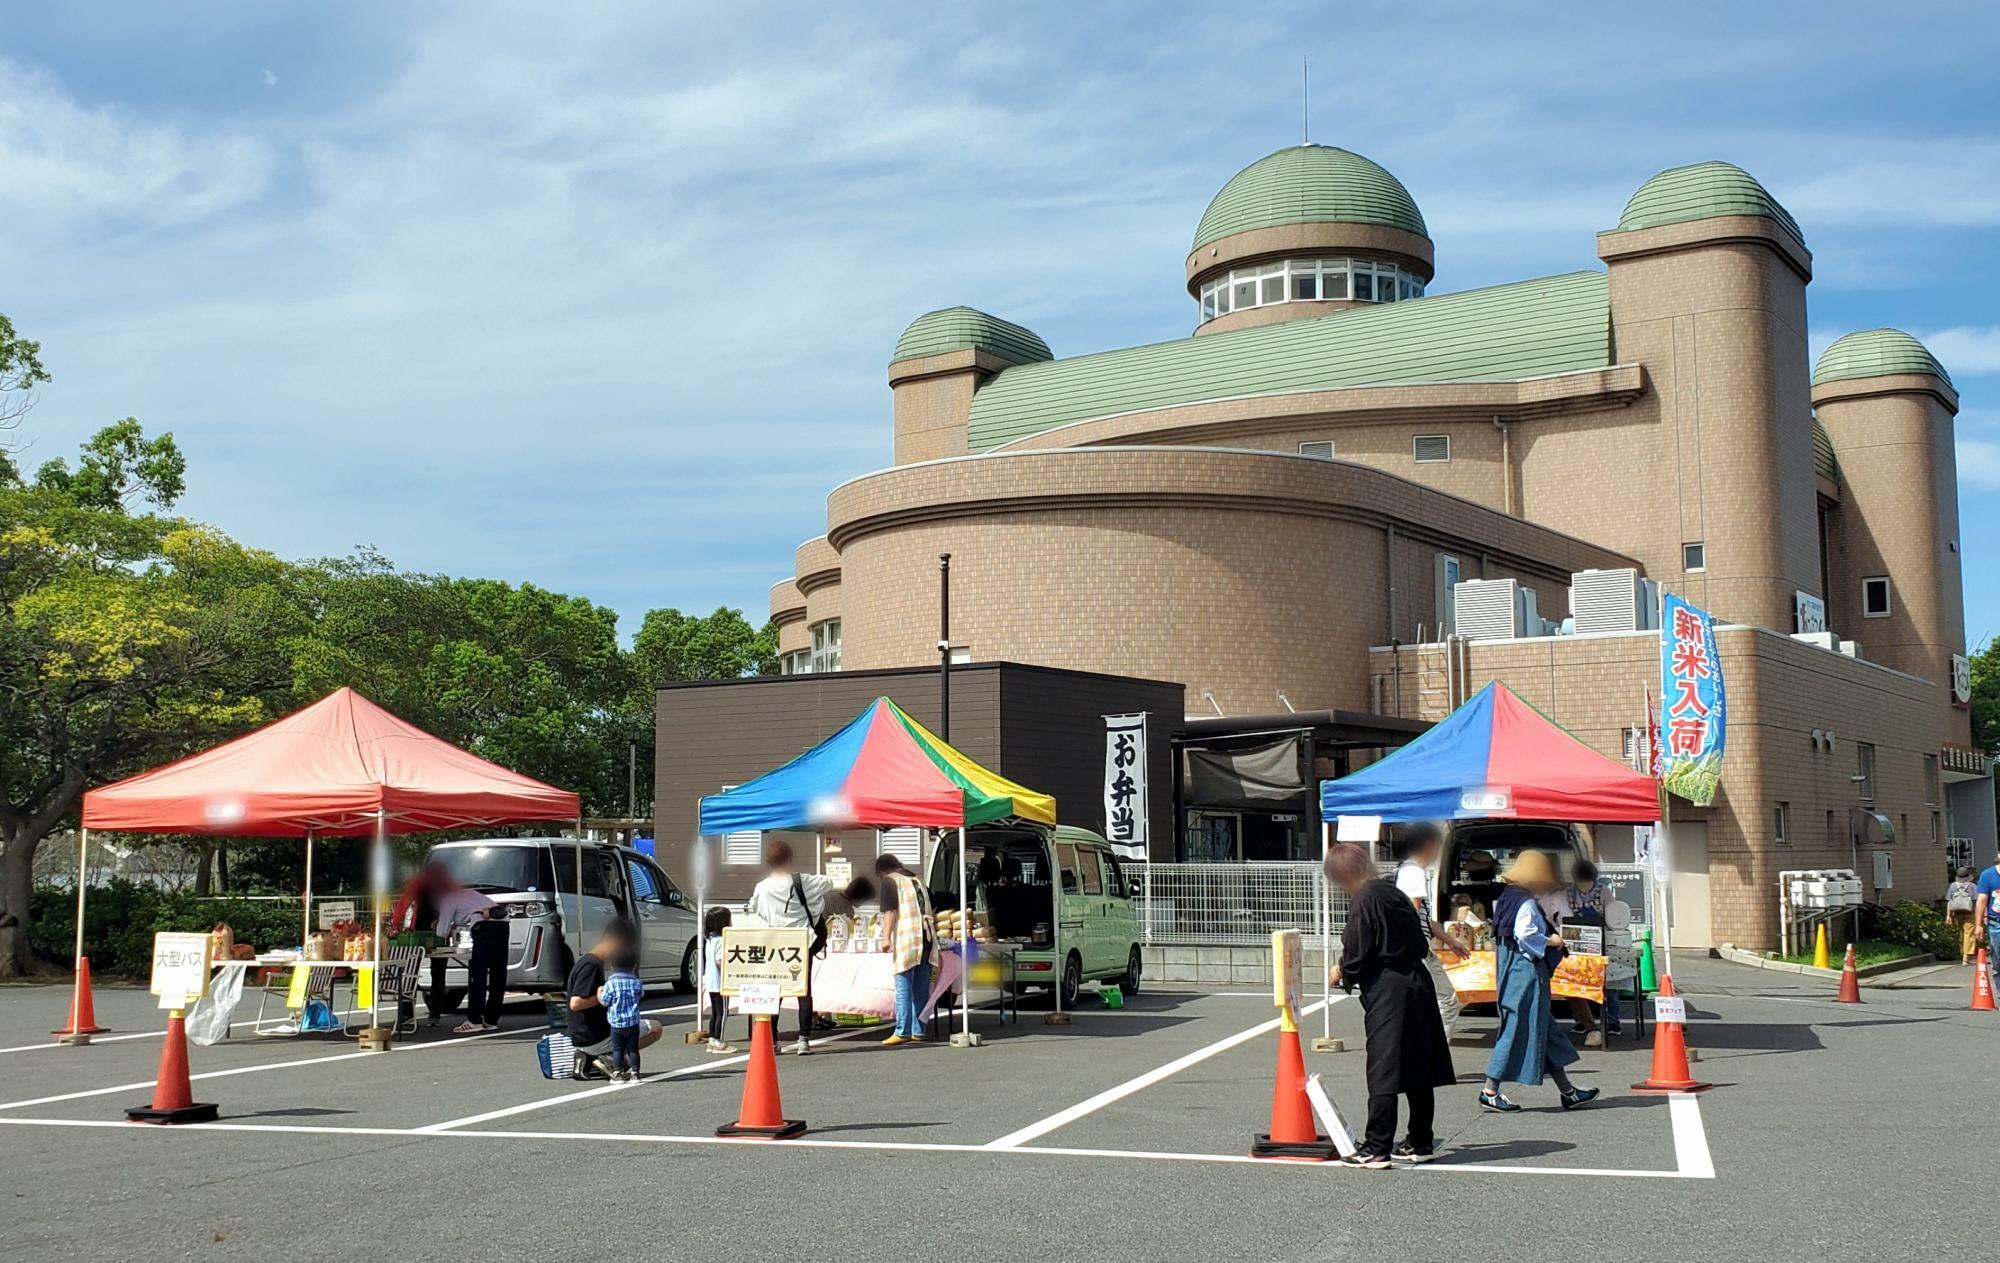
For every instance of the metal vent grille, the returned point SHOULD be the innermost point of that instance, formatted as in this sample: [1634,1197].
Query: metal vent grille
[1319,451]
[1431,448]
[1487,609]
[1607,601]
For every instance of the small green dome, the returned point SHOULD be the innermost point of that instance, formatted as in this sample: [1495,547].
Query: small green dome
[1309,184]
[1825,463]
[1876,353]
[968,329]
[1703,191]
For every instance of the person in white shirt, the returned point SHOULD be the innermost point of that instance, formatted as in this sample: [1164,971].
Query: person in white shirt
[788,899]
[1416,852]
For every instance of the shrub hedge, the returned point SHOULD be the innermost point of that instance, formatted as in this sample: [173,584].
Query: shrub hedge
[121,918]
[1918,925]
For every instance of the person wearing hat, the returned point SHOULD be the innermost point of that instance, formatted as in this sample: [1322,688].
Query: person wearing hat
[1530,1044]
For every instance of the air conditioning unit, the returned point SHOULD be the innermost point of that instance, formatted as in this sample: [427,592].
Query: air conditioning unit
[1823,639]
[1494,609]
[1612,601]
[1852,648]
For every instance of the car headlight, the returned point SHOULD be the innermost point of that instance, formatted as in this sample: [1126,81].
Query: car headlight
[530,909]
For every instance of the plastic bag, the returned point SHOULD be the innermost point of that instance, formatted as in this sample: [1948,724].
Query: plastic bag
[318,1017]
[208,1021]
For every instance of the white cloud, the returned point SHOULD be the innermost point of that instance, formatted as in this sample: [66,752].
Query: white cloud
[270,79]
[1966,350]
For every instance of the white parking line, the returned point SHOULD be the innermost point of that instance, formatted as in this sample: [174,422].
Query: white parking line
[811,1142]
[296,1063]
[1034,1131]
[570,1097]
[1690,1138]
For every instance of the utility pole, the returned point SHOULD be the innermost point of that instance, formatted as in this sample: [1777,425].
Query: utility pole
[944,645]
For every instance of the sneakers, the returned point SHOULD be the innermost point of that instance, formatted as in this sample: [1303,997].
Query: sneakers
[468,1028]
[1366,1160]
[589,1067]
[1407,1152]
[624,1076]
[716,1047]
[1497,1103]
[1582,1096]
[893,1041]
[800,1047]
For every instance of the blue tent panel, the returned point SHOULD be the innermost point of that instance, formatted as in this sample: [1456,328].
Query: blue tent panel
[1426,779]
[786,797]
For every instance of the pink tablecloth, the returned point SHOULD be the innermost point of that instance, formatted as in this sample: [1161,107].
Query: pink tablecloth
[863,982]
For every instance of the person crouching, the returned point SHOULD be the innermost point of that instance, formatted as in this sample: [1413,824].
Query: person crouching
[1383,951]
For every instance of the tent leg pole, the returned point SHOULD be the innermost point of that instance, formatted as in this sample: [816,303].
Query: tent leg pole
[82,894]
[306,916]
[1325,936]
[375,891]
[579,889]
[964,948]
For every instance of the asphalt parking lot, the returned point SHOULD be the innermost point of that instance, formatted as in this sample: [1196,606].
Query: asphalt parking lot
[1832,1131]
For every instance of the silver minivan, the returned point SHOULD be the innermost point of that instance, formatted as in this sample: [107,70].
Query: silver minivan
[535,880]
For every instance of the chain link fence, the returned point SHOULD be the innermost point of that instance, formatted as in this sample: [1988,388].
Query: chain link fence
[1233,904]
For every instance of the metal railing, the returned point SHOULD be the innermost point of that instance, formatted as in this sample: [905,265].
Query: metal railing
[1232,904]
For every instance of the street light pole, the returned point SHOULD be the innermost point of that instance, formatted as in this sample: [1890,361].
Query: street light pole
[944,645]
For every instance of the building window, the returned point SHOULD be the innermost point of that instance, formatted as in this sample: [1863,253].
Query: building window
[1429,449]
[826,646]
[1930,780]
[1694,556]
[1875,596]
[797,662]
[1780,818]
[1321,451]
[1305,281]
[1864,770]
[1445,576]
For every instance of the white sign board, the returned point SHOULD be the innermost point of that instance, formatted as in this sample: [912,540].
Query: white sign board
[1362,829]
[1125,785]
[335,912]
[180,968]
[1329,1117]
[840,869]
[1583,940]
[1808,612]
[752,956]
[1670,1008]
[758,998]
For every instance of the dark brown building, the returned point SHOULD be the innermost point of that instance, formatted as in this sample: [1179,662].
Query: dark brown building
[1042,727]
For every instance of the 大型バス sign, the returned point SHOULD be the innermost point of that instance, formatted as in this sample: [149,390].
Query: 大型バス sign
[756,956]
[180,968]
[1693,710]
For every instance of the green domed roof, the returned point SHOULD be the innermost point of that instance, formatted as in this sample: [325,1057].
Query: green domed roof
[1309,184]
[1703,191]
[1825,463]
[1876,353]
[968,329]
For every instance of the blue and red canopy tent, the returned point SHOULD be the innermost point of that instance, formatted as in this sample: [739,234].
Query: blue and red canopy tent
[1495,758]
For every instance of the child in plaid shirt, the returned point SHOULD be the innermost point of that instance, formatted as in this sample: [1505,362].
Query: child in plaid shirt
[620,996]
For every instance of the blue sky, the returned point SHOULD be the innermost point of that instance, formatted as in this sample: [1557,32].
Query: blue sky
[601,296]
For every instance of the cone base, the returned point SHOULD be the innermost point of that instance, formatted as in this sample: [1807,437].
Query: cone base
[1311,1150]
[88,1030]
[185,1114]
[1671,1089]
[784,1131]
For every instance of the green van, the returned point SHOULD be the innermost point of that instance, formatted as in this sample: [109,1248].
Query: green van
[1008,879]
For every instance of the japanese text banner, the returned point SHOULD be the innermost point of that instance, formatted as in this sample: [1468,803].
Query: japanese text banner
[1693,709]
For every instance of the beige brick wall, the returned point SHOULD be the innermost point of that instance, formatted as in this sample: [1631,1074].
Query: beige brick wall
[1779,691]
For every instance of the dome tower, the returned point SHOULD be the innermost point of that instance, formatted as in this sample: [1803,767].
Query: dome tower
[1304,231]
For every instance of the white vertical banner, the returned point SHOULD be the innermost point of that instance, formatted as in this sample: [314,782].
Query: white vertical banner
[1125,785]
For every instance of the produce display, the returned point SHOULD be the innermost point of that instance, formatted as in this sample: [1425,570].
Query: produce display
[951,927]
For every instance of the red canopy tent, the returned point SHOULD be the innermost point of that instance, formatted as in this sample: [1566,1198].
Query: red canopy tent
[343,766]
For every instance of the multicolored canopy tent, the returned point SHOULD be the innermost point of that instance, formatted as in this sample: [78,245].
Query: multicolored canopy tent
[883,770]
[342,766]
[1495,757]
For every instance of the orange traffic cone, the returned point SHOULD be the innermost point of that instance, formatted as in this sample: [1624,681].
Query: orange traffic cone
[82,1023]
[1670,1055]
[1982,986]
[1850,982]
[761,1113]
[173,1095]
[1294,1132]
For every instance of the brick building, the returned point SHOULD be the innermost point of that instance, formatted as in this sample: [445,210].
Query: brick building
[1272,512]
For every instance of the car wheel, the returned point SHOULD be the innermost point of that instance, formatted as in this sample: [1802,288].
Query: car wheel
[685,983]
[1072,980]
[1134,968]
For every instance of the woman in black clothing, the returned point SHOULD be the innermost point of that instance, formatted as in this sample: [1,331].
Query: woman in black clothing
[1382,952]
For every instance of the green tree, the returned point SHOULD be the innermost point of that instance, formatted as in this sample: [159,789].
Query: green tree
[1986,696]
[671,646]
[126,638]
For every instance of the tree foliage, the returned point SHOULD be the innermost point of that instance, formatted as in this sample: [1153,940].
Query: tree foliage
[130,637]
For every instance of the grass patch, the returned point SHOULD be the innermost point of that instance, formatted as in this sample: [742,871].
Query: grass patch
[1867,951]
